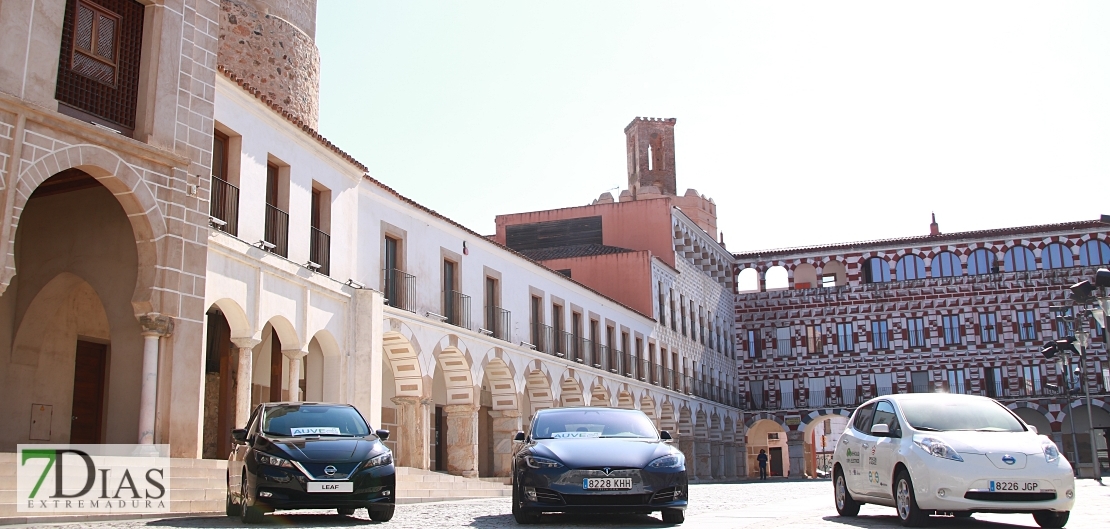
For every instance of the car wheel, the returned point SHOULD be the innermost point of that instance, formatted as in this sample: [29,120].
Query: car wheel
[230,508]
[674,516]
[248,513]
[906,503]
[1050,518]
[381,515]
[345,511]
[522,516]
[845,505]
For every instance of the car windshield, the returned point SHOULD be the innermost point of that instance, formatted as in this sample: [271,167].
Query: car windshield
[582,423]
[313,420]
[940,415]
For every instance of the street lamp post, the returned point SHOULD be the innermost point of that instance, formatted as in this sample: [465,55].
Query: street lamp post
[1082,337]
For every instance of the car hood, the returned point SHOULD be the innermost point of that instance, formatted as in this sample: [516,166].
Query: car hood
[597,453]
[965,442]
[330,449]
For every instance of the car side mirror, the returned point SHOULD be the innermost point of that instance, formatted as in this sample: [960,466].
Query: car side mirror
[665,435]
[880,430]
[1032,428]
[519,437]
[239,436]
[382,434]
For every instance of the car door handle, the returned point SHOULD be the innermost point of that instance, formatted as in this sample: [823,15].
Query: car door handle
[864,445]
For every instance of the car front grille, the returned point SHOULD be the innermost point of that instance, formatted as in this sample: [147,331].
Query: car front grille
[1010,496]
[604,499]
[549,497]
[664,496]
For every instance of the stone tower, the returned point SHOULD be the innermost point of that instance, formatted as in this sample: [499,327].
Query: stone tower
[271,44]
[651,155]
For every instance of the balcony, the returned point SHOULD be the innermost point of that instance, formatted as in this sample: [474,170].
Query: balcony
[456,306]
[319,250]
[277,230]
[399,289]
[500,322]
[224,205]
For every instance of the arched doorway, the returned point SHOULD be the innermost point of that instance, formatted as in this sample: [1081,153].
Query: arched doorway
[770,436]
[75,348]
[821,435]
[220,371]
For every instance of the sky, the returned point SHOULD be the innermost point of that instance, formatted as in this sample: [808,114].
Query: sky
[808,123]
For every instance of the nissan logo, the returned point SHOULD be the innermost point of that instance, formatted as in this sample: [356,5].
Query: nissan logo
[329,470]
[1008,459]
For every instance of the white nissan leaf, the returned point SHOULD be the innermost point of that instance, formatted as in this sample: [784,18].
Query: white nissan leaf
[939,453]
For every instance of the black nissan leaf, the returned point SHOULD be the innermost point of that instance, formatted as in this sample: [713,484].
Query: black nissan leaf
[597,460]
[305,455]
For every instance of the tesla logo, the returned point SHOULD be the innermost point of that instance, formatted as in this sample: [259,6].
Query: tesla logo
[607,470]
[1008,459]
[329,470]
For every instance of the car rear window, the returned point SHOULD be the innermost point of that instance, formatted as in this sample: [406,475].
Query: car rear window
[959,414]
[314,420]
[586,423]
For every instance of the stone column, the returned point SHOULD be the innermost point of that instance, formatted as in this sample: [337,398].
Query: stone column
[741,459]
[294,379]
[244,378]
[367,356]
[718,455]
[412,432]
[154,326]
[795,444]
[462,439]
[705,460]
[689,449]
[506,423]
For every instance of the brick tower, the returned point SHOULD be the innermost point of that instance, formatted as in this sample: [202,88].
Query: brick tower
[651,155]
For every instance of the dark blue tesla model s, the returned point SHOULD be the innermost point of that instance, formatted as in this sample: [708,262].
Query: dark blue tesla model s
[597,460]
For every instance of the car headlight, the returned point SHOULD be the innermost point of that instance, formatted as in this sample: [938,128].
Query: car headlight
[936,447]
[377,461]
[669,461]
[541,462]
[267,459]
[1051,453]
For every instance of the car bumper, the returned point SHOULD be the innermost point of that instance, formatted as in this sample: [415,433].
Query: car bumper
[283,488]
[546,491]
[949,486]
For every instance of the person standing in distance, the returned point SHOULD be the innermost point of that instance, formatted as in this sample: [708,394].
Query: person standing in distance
[762,458]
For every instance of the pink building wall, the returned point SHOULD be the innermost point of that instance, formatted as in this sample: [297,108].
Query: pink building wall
[625,277]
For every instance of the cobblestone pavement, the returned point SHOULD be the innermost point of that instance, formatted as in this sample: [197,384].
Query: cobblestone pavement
[736,505]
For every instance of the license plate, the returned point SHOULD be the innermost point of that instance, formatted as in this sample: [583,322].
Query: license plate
[607,483]
[1015,486]
[331,486]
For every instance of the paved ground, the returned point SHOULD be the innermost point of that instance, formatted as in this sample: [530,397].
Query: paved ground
[748,504]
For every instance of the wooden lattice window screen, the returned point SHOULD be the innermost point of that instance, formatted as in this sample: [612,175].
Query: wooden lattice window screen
[96,43]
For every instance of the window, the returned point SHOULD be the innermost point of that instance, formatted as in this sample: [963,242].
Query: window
[862,420]
[674,325]
[782,337]
[493,308]
[662,308]
[755,346]
[96,43]
[557,329]
[1027,325]
[879,335]
[815,342]
[537,321]
[845,340]
[449,290]
[1062,320]
[693,333]
[277,219]
[956,379]
[1094,253]
[980,262]
[876,270]
[1056,255]
[224,196]
[576,335]
[910,267]
[988,327]
[1019,259]
[946,264]
[1031,380]
[915,330]
[953,333]
[994,382]
[828,280]
[683,312]
[319,244]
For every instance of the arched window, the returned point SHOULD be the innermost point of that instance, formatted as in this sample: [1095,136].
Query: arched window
[980,261]
[876,270]
[747,280]
[777,278]
[909,267]
[1056,255]
[946,264]
[1094,253]
[1019,259]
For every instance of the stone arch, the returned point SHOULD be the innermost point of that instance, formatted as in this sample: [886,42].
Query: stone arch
[538,386]
[236,317]
[821,432]
[570,393]
[129,189]
[647,405]
[322,364]
[402,354]
[805,276]
[777,278]
[667,420]
[600,395]
[685,422]
[701,425]
[501,382]
[286,332]
[729,432]
[715,427]
[747,280]
[456,375]
[767,434]
[1036,415]
[837,269]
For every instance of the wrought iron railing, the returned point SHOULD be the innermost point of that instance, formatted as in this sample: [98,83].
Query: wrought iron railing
[456,306]
[319,250]
[223,204]
[500,322]
[399,289]
[277,230]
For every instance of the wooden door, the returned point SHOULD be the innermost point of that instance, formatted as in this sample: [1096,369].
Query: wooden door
[776,461]
[88,393]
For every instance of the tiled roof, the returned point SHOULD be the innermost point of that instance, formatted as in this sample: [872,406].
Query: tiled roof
[928,239]
[289,117]
[567,252]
